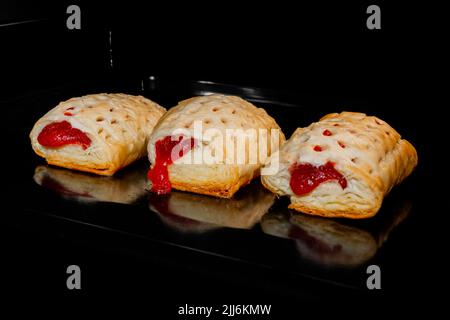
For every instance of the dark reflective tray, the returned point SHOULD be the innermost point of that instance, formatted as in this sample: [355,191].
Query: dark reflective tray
[253,228]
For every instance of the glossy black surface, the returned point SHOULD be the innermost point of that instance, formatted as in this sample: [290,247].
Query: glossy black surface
[275,250]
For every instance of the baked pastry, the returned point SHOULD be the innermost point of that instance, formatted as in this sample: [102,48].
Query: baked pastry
[188,212]
[211,145]
[126,187]
[333,243]
[98,133]
[341,166]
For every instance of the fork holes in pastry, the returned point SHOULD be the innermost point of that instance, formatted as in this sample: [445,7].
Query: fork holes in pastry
[187,125]
[354,160]
[107,136]
[370,171]
[111,109]
[233,112]
[113,121]
[100,119]
[100,130]
[215,109]
[224,121]
[207,121]
[388,133]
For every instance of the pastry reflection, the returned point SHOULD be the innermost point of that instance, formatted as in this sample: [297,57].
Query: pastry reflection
[335,243]
[125,187]
[193,213]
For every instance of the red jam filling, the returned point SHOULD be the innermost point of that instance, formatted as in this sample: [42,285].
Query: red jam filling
[317,148]
[341,144]
[327,133]
[305,177]
[313,243]
[58,134]
[159,174]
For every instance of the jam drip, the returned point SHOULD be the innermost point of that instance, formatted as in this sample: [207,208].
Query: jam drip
[305,177]
[159,174]
[59,134]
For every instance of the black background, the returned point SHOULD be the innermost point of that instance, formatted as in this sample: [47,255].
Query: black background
[314,50]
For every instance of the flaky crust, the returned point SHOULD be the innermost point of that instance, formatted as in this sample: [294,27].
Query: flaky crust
[220,112]
[117,124]
[368,152]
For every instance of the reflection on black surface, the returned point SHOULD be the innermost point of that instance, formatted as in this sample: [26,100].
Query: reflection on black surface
[194,213]
[335,243]
[125,187]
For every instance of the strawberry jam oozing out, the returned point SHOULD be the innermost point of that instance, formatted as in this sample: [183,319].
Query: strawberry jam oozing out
[58,134]
[159,174]
[305,177]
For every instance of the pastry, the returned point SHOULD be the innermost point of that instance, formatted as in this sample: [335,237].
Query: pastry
[188,212]
[98,133]
[341,166]
[211,145]
[126,187]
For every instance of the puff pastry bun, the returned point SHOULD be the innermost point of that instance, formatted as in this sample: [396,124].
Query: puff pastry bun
[341,166]
[98,133]
[221,113]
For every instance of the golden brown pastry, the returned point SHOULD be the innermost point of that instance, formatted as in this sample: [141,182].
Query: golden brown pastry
[341,166]
[98,133]
[204,162]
